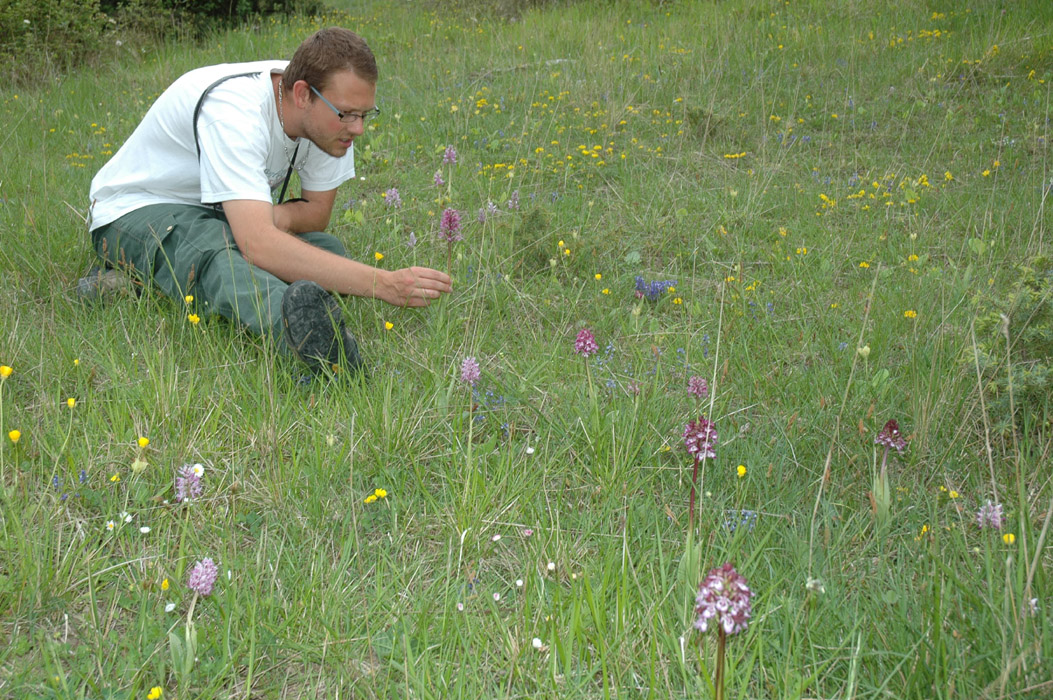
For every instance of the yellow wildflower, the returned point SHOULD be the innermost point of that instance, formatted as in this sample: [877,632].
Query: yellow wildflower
[14,436]
[378,256]
[71,402]
[156,691]
[5,371]
[380,493]
[164,585]
[1009,538]
[143,442]
[193,318]
[741,470]
[910,313]
[388,325]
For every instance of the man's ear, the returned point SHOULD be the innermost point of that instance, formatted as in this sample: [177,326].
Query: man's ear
[301,93]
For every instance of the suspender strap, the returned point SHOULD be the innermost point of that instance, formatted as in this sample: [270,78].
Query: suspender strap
[197,142]
[288,173]
[201,101]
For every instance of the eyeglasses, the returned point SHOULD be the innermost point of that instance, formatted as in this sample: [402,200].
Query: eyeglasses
[347,117]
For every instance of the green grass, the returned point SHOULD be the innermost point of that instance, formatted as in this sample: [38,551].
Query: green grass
[324,595]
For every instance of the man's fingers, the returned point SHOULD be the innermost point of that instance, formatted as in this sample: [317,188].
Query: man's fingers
[427,273]
[422,285]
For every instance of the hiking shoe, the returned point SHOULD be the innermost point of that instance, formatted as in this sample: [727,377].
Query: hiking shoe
[315,330]
[101,282]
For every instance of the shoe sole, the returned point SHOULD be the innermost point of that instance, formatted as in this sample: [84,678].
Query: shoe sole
[310,316]
[314,328]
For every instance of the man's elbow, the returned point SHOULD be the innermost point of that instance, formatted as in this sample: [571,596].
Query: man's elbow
[253,249]
[252,255]
[320,220]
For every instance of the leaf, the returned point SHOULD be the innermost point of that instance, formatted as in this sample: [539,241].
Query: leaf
[633,257]
[175,644]
[977,246]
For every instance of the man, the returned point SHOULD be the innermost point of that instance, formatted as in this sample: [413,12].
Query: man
[187,202]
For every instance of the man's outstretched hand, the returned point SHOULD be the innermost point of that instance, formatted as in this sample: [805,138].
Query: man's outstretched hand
[413,286]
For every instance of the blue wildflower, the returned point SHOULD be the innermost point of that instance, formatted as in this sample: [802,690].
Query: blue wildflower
[734,519]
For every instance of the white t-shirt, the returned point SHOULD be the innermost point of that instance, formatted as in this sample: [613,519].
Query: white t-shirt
[244,151]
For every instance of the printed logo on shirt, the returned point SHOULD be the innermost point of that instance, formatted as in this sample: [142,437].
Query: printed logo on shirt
[274,177]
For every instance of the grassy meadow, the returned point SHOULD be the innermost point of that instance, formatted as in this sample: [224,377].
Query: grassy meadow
[830,205]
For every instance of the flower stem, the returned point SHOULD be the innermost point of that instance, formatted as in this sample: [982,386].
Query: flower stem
[3,477]
[691,506]
[718,680]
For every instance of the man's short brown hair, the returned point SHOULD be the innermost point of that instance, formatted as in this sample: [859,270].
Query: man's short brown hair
[328,51]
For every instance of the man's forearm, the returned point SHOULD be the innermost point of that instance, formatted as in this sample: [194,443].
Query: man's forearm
[289,258]
[300,217]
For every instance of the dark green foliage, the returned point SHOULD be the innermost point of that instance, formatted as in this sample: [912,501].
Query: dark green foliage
[46,33]
[52,35]
[1026,317]
[206,13]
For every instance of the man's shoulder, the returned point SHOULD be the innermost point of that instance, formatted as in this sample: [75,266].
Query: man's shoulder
[200,78]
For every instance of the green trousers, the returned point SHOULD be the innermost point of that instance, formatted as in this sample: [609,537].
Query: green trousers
[187,250]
